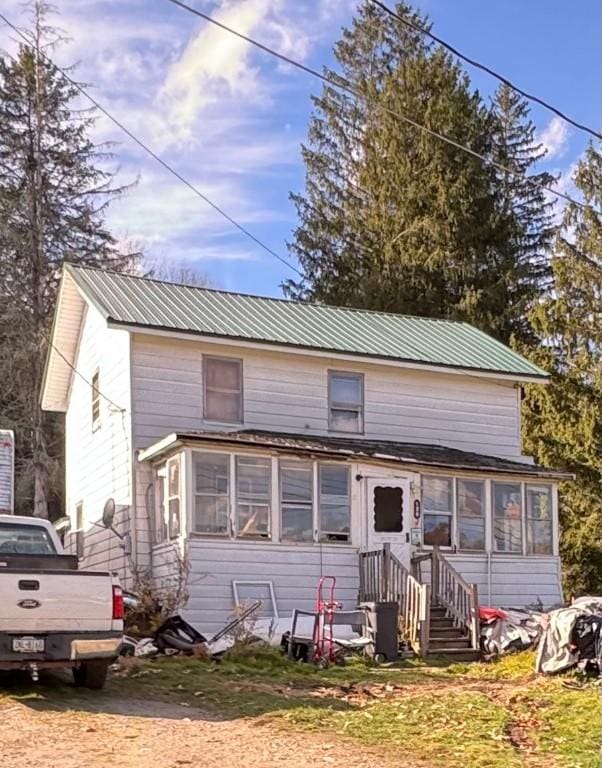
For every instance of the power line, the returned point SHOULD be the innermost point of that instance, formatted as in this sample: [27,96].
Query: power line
[83,378]
[344,85]
[153,154]
[488,70]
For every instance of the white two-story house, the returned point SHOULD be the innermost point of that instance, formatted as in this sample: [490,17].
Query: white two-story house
[270,442]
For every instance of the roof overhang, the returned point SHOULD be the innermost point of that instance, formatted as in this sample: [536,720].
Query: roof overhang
[416,455]
[63,348]
[328,354]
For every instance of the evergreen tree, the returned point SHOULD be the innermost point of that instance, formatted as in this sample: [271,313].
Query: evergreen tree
[393,218]
[563,421]
[523,260]
[53,196]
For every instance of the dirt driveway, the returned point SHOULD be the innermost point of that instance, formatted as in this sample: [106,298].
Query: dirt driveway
[101,730]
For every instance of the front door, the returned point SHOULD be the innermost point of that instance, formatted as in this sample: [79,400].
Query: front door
[389,519]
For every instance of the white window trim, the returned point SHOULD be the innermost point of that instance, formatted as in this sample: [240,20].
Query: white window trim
[335,405]
[275,520]
[234,500]
[456,514]
[169,497]
[96,400]
[452,515]
[313,468]
[317,518]
[553,491]
[231,496]
[241,411]
[489,515]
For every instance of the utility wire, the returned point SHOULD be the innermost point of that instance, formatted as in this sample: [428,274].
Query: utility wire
[344,85]
[488,70]
[153,154]
[83,378]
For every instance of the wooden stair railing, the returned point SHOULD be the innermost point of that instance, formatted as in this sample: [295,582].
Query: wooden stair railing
[383,578]
[459,598]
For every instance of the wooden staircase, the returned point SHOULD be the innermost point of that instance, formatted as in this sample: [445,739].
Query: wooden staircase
[448,641]
[439,616]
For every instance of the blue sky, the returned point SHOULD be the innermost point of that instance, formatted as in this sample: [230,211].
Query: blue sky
[232,119]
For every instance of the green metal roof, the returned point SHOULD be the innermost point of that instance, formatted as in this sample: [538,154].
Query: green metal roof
[137,301]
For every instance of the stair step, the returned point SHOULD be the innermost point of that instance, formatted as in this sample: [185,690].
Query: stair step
[454,654]
[445,643]
[441,622]
[446,631]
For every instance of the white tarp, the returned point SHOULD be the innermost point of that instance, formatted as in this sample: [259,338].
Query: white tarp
[7,472]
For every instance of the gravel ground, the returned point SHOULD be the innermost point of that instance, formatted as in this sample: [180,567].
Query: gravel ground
[96,731]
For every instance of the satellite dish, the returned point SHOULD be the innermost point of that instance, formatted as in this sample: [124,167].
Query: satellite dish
[108,513]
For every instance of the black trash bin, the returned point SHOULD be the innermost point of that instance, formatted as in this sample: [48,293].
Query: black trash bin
[382,621]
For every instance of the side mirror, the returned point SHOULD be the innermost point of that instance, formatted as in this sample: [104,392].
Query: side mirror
[108,513]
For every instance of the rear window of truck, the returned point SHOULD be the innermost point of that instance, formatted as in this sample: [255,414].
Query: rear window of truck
[18,539]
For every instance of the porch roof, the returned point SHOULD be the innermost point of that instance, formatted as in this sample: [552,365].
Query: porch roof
[416,454]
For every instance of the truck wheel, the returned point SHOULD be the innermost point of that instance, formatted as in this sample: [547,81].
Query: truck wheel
[91,674]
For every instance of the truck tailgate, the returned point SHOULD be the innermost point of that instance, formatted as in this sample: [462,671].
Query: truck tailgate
[46,601]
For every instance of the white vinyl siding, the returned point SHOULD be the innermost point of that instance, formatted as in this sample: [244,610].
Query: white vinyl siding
[288,393]
[99,464]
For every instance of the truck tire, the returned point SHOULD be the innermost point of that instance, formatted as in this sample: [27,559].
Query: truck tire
[91,674]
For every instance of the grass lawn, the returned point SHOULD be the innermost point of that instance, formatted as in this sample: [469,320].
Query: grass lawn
[496,715]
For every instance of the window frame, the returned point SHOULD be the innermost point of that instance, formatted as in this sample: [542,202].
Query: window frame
[313,469]
[95,403]
[486,507]
[340,406]
[235,497]
[173,497]
[452,515]
[229,533]
[553,539]
[207,359]
[522,552]
[318,520]
[80,546]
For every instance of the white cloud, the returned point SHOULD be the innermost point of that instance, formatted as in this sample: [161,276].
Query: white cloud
[554,138]
[214,65]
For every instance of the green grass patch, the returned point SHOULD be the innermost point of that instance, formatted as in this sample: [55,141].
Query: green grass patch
[515,666]
[454,730]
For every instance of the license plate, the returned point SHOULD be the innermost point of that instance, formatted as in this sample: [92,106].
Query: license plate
[28,644]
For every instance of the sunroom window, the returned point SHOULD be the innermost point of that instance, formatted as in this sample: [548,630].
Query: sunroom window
[334,507]
[539,520]
[212,493]
[253,496]
[296,500]
[437,505]
[173,497]
[507,517]
[471,514]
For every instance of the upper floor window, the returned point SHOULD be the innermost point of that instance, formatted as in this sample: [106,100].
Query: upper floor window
[223,389]
[95,400]
[345,401]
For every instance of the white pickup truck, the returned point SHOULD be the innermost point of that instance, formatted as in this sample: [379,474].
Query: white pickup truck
[52,614]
